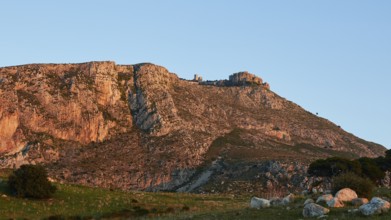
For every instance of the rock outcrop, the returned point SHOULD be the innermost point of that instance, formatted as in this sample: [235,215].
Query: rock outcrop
[141,127]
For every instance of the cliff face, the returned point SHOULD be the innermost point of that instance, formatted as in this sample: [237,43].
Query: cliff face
[141,127]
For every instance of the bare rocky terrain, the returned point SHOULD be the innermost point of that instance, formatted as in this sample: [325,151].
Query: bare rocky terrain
[140,127]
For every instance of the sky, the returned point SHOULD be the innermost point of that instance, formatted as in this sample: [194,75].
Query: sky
[331,57]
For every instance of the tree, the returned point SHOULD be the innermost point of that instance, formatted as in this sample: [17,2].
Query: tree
[31,181]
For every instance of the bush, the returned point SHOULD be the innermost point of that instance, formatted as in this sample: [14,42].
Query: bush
[370,169]
[362,186]
[384,163]
[31,181]
[333,166]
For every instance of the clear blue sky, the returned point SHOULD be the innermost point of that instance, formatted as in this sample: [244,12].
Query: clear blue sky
[330,57]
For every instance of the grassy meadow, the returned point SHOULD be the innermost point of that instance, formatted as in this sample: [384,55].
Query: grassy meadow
[80,202]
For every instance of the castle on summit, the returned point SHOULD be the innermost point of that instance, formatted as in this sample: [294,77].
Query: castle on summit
[197,78]
[237,79]
[244,78]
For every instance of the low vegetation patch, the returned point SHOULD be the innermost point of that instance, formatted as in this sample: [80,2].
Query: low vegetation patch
[362,186]
[31,181]
[370,168]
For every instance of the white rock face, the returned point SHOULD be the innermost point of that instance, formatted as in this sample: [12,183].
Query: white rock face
[375,206]
[258,203]
[335,203]
[346,195]
[324,198]
[314,210]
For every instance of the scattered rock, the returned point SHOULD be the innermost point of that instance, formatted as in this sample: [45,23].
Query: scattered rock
[375,206]
[288,199]
[276,201]
[314,210]
[4,196]
[359,201]
[353,210]
[346,195]
[335,203]
[324,198]
[258,203]
[307,201]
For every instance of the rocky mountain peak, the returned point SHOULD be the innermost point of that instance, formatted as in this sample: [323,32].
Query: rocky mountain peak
[141,127]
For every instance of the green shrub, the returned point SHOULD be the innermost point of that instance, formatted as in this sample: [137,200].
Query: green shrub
[370,169]
[31,181]
[333,166]
[362,186]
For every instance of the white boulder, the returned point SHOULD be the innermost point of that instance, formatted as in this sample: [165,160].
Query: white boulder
[335,203]
[307,201]
[258,203]
[346,195]
[288,199]
[324,198]
[314,210]
[375,206]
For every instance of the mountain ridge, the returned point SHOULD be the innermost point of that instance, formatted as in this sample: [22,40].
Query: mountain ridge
[142,127]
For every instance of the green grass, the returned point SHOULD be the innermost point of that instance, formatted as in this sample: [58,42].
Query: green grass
[79,202]
[85,202]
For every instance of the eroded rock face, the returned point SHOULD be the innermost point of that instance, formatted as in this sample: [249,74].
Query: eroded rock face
[141,127]
[69,102]
[152,105]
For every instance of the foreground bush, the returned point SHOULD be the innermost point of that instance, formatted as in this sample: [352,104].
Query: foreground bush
[362,186]
[31,181]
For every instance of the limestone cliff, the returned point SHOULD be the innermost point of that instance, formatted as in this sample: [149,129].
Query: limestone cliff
[141,127]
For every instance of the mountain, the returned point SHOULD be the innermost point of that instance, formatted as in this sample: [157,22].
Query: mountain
[141,127]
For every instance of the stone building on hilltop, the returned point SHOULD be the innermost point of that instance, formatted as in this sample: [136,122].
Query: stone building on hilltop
[244,78]
[197,78]
[237,79]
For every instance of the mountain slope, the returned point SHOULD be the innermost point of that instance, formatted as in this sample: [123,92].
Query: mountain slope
[141,127]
